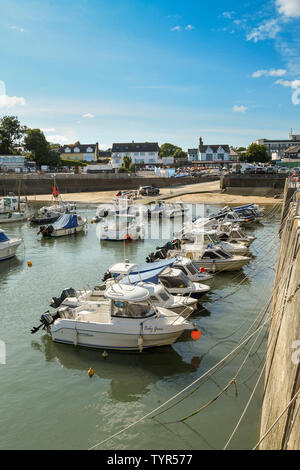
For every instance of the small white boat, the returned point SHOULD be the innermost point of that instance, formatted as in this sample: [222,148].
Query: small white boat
[13,217]
[210,237]
[120,228]
[212,258]
[234,234]
[177,283]
[67,224]
[128,322]
[8,246]
[11,203]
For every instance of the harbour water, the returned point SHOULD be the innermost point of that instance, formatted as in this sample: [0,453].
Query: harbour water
[48,401]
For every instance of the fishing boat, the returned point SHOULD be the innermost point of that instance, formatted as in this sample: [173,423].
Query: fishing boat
[212,258]
[8,246]
[128,322]
[122,228]
[67,224]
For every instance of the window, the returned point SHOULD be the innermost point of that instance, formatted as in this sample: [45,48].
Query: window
[131,310]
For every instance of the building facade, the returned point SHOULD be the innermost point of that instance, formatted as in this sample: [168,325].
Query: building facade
[79,152]
[212,154]
[279,146]
[141,153]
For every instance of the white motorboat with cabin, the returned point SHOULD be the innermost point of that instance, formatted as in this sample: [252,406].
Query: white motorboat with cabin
[13,217]
[8,246]
[233,233]
[12,203]
[128,322]
[212,258]
[67,224]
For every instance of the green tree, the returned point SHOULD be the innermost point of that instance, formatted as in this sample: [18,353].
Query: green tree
[11,134]
[257,154]
[168,150]
[43,152]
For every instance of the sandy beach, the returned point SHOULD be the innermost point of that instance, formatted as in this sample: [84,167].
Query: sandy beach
[208,193]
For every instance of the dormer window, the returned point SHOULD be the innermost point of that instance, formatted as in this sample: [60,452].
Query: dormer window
[89,149]
[67,150]
[76,149]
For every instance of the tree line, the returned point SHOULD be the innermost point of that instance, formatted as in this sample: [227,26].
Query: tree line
[14,135]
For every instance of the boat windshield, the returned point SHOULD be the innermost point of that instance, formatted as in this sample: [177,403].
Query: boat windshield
[131,310]
[180,281]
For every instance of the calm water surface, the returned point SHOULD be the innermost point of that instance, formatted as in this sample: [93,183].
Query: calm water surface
[48,400]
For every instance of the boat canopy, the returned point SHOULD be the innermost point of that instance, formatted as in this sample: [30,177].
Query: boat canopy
[126,293]
[144,267]
[3,237]
[66,221]
[148,276]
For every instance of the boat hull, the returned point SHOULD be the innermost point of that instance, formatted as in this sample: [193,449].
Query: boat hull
[88,336]
[216,266]
[9,250]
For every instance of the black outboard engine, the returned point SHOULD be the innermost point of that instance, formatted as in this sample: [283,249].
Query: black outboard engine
[57,301]
[46,320]
[106,276]
[162,251]
[46,231]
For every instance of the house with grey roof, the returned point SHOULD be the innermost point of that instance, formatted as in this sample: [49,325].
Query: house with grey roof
[141,153]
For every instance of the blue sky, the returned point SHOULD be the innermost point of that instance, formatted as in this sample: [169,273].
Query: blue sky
[166,71]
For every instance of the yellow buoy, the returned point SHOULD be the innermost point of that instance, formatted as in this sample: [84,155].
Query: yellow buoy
[29,264]
[105,354]
[91,372]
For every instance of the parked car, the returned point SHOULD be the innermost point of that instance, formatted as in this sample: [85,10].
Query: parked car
[148,191]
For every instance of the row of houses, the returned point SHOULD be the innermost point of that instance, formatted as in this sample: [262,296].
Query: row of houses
[147,154]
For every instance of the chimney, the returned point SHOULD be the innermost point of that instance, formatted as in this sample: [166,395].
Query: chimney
[200,142]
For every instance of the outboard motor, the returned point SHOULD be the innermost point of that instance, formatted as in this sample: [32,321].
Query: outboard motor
[107,275]
[57,301]
[46,320]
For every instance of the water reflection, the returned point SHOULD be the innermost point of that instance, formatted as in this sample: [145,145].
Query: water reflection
[130,374]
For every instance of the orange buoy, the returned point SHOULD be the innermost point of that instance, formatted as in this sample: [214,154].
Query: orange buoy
[29,264]
[91,372]
[92,221]
[196,334]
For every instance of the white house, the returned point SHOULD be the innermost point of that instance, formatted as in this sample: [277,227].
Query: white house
[141,153]
[213,153]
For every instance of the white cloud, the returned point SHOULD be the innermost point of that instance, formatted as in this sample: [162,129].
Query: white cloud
[17,28]
[57,139]
[268,29]
[269,73]
[189,27]
[287,83]
[11,101]
[176,28]
[239,109]
[289,8]
[49,129]
[88,115]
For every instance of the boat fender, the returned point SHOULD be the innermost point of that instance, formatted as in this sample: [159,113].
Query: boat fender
[141,343]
